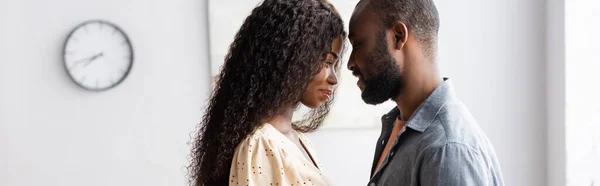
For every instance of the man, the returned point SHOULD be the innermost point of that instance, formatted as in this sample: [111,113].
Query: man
[430,138]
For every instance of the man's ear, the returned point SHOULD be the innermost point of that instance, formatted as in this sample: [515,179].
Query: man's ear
[400,32]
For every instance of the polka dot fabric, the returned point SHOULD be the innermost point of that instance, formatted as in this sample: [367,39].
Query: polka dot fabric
[269,158]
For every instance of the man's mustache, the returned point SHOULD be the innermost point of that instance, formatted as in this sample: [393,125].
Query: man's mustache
[356,72]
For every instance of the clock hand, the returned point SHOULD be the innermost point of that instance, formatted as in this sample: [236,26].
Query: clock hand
[93,58]
[86,60]
[97,56]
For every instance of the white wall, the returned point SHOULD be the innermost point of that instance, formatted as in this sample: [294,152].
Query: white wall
[555,91]
[136,134]
[57,134]
[495,54]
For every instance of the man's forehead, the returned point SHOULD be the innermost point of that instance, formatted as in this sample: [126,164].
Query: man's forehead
[361,7]
[361,15]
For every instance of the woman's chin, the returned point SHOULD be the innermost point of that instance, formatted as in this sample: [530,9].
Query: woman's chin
[312,105]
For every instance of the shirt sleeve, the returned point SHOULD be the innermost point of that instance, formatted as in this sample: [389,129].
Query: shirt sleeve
[258,161]
[453,164]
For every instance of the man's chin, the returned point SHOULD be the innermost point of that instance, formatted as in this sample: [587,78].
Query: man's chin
[373,98]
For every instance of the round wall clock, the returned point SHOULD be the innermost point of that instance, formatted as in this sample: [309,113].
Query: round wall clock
[97,55]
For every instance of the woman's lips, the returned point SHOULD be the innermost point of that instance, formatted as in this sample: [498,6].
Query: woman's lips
[326,93]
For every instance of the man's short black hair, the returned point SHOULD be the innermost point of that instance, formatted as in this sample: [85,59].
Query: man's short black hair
[420,16]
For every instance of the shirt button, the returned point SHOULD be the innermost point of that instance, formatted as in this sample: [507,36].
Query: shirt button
[382,142]
[372,184]
[392,154]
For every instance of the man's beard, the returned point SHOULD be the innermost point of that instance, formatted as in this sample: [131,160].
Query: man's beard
[388,83]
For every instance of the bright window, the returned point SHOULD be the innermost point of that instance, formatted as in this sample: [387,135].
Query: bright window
[582,24]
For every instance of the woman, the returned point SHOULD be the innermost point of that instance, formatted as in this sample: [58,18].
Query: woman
[285,54]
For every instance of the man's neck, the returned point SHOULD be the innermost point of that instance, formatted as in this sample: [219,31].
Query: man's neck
[414,94]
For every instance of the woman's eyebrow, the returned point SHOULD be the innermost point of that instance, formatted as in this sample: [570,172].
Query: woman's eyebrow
[335,55]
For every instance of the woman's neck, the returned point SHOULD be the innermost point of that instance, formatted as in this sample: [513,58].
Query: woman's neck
[283,122]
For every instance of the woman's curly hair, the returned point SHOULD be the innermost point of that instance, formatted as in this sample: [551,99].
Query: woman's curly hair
[278,50]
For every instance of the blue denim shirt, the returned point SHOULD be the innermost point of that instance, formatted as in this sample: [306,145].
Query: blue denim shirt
[441,144]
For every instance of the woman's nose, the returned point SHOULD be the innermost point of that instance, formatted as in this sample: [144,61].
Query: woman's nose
[332,78]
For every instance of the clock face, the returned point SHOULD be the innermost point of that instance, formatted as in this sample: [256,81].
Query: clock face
[98,55]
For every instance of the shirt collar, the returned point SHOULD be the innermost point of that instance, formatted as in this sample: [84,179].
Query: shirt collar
[427,111]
